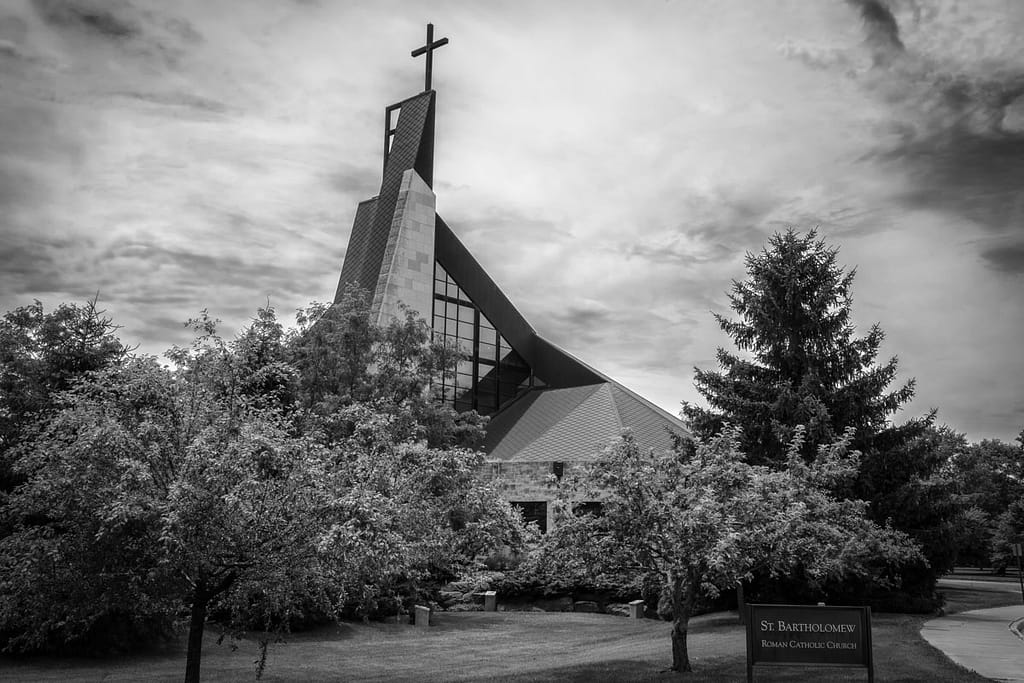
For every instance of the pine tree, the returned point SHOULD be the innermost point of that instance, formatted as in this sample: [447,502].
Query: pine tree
[801,362]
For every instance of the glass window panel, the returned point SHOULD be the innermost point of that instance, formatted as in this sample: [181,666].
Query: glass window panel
[510,357]
[484,322]
[465,367]
[438,286]
[439,272]
[487,335]
[452,290]
[439,324]
[466,331]
[511,378]
[487,385]
[466,314]
[487,351]
[451,310]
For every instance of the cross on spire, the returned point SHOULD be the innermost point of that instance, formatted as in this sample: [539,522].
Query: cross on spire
[428,50]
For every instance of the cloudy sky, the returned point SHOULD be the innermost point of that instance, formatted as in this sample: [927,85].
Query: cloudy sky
[609,163]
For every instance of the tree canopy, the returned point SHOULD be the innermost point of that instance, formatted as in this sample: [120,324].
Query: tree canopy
[800,361]
[703,519]
[240,483]
[799,364]
[42,354]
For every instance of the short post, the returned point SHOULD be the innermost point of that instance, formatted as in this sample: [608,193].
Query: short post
[636,609]
[490,601]
[741,602]
[1018,552]
[422,616]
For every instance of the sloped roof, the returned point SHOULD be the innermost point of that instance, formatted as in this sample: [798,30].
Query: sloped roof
[575,424]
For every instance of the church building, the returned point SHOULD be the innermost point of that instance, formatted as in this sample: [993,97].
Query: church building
[547,409]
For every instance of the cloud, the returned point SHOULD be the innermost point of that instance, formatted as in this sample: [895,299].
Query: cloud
[37,265]
[96,17]
[883,35]
[1006,257]
[951,119]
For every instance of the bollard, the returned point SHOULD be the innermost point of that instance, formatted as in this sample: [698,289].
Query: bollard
[636,609]
[490,601]
[422,616]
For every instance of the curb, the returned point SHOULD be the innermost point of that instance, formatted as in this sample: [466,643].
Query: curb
[1016,626]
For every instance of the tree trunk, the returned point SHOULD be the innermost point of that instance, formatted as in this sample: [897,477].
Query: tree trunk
[682,604]
[684,596]
[201,596]
[197,623]
[680,655]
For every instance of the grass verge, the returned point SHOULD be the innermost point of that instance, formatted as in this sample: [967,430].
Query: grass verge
[516,646]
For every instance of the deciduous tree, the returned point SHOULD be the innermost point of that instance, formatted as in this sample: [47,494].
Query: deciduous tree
[209,487]
[704,519]
[41,354]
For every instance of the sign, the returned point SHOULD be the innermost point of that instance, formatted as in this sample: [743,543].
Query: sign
[1016,550]
[806,635]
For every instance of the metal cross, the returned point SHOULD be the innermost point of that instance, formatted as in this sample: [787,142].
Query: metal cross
[428,50]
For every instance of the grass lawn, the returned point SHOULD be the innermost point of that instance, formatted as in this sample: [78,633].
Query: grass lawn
[515,646]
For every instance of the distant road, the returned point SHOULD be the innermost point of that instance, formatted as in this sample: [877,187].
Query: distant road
[992,586]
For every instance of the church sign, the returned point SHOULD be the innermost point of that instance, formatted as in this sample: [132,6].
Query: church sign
[806,635]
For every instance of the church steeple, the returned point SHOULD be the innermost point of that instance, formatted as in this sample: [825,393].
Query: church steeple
[408,147]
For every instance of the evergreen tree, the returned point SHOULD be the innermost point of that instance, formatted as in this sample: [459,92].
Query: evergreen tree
[800,364]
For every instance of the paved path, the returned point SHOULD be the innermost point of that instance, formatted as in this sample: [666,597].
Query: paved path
[981,585]
[982,640]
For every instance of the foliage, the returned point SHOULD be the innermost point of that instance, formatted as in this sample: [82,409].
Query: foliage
[42,354]
[800,365]
[416,517]
[240,483]
[988,477]
[151,491]
[1009,529]
[704,519]
[344,359]
[805,366]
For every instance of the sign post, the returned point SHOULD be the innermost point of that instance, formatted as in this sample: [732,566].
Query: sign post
[805,635]
[1017,552]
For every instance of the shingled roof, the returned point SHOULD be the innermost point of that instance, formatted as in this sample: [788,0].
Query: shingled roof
[575,424]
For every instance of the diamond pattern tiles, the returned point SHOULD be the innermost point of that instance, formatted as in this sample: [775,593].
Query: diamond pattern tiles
[411,135]
[356,252]
[575,424]
[650,424]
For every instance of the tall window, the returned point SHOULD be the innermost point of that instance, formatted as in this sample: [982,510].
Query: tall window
[493,373]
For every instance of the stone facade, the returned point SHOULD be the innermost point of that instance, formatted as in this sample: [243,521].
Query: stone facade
[524,482]
[408,275]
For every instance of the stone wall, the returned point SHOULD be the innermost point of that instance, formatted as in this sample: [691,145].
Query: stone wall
[407,274]
[524,482]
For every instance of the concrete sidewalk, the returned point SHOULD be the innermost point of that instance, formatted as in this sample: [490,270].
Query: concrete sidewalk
[982,640]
